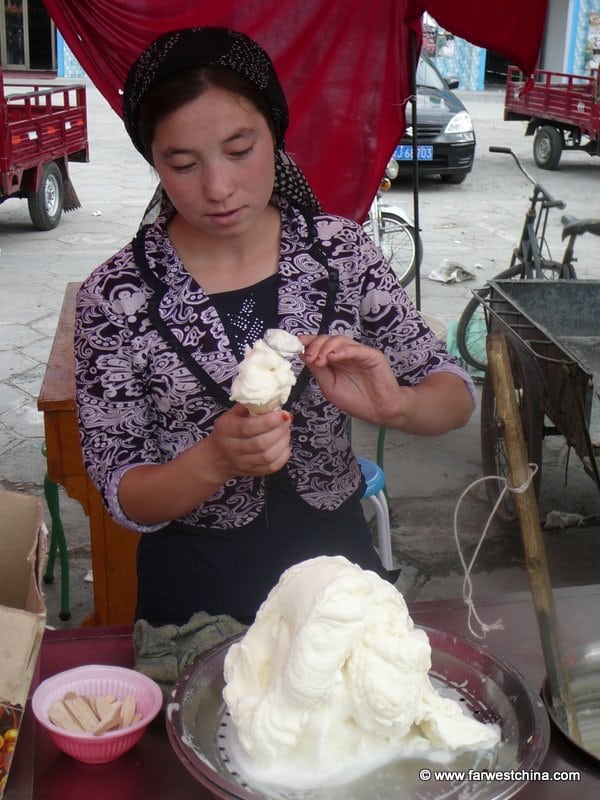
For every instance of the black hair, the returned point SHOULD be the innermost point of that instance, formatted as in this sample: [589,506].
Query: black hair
[184,86]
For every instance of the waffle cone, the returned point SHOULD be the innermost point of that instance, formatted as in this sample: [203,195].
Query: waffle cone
[262,408]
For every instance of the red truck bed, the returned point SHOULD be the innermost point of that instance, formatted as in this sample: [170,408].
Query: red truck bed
[40,125]
[563,98]
[41,129]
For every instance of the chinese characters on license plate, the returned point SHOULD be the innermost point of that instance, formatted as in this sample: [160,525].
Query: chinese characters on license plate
[404,152]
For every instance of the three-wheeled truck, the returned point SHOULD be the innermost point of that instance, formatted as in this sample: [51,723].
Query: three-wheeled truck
[42,129]
[562,112]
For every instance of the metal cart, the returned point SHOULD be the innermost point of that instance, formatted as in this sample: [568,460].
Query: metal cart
[552,330]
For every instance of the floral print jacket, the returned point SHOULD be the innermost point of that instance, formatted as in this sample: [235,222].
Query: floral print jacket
[154,367]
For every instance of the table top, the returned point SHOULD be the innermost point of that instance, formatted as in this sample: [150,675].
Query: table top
[57,392]
[152,770]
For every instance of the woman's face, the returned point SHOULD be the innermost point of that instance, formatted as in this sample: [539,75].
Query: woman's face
[215,159]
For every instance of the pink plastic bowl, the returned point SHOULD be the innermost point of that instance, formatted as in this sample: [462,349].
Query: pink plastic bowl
[96,679]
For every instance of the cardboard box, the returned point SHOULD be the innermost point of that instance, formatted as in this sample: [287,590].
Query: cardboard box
[22,612]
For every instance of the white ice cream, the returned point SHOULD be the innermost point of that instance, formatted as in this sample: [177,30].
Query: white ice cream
[332,681]
[264,379]
[286,344]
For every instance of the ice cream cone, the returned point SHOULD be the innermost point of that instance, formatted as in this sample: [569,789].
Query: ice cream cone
[264,379]
[256,409]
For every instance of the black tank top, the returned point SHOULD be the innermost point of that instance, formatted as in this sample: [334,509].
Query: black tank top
[247,313]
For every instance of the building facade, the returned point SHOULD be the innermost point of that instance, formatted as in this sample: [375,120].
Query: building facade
[27,40]
[571,44]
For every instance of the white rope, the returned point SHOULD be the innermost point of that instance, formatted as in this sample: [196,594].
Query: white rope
[467,583]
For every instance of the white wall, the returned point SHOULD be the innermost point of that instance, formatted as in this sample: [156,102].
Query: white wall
[554,52]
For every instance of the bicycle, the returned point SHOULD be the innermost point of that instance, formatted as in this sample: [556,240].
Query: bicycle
[393,231]
[531,260]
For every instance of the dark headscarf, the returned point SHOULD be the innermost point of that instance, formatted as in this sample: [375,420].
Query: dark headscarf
[191,48]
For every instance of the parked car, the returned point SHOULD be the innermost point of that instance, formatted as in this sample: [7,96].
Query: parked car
[445,134]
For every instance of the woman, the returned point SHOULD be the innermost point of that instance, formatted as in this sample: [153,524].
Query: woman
[226,501]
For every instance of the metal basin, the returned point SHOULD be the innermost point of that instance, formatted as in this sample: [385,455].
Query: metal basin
[490,688]
[583,666]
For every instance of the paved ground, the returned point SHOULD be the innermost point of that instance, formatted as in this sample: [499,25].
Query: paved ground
[474,224]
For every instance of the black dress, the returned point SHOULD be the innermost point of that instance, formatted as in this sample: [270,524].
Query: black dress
[184,569]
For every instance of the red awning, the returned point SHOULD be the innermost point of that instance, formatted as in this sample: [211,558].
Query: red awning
[344,65]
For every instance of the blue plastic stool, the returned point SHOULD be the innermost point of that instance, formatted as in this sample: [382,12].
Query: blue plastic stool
[375,493]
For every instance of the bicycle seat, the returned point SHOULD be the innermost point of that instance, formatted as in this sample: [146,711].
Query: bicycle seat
[573,226]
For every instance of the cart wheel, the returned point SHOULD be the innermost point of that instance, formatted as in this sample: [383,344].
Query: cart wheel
[46,205]
[547,147]
[493,449]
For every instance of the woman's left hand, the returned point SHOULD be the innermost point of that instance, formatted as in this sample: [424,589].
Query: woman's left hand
[359,380]
[356,378]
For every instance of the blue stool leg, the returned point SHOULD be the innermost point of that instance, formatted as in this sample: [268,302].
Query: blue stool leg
[384,535]
[58,543]
[374,477]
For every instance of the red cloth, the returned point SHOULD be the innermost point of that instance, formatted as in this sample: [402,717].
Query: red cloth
[344,66]
[511,27]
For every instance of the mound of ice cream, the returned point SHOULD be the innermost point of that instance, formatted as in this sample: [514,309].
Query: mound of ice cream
[331,681]
[265,377]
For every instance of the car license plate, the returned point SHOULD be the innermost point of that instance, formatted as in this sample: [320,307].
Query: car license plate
[404,152]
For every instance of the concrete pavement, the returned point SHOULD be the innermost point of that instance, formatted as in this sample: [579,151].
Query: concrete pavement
[35,268]
[474,224]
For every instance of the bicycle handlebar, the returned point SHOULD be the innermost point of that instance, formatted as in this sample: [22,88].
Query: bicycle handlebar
[549,201]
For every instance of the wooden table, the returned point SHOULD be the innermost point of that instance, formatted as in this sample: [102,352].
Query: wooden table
[113,547]
[152,771]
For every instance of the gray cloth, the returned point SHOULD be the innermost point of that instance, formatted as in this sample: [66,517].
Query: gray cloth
[164,653]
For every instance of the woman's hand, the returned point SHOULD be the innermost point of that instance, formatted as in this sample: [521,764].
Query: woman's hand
[356,378]
[359,380]
[243,444]
[239,444]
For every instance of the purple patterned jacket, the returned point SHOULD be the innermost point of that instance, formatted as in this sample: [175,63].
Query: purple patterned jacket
[154,367]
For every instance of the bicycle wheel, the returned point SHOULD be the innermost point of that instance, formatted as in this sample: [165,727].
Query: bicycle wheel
[554,270]
[471,330]
[398,243]
[526,380]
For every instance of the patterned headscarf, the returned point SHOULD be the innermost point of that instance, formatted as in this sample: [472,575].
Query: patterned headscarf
[190,48]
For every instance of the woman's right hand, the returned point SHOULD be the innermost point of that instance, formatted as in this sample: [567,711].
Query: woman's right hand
[239,444]
[243,444]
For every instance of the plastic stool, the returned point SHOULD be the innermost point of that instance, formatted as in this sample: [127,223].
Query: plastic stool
[58,543]
[375,492]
